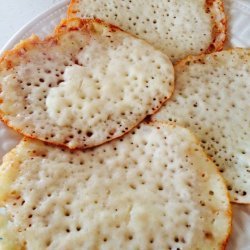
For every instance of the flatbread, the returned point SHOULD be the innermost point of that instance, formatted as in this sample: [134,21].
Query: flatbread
[153,189]
[178,28]
[212,99]
[86,84]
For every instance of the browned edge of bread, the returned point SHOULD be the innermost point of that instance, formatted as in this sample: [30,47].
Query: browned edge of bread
[66,25]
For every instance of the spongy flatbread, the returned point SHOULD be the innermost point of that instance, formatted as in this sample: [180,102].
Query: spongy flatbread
[212,99]
[86,84]
[153,189]
[178,28]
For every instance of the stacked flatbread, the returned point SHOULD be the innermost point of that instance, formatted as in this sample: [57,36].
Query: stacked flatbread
[150,185]
[212,99]
[153,189]
[86,84]
[176,27]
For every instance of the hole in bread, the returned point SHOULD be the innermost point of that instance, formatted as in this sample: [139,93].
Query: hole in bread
[48,242]
[67,213]
[130,237]
[89,133]
[244,193]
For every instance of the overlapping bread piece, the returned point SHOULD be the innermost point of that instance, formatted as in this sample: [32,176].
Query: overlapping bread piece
[153,189]
[212,99]
[86,84]
[178,28]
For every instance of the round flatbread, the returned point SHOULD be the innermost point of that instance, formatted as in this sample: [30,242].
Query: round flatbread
[178,28]
[86,84]
[153,189]
[212,99]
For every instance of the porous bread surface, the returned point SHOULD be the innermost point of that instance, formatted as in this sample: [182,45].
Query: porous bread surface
[212,99]
[88,83]
[178,28]
[153,189]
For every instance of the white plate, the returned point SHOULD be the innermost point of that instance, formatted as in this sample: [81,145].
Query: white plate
[239,36]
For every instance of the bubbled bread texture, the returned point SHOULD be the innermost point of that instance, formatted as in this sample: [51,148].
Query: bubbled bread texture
[153,189]
[88,83]
[176,27]
[212,99]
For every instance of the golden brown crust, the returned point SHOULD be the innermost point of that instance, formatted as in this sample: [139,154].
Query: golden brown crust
[7,122]
[65,26]
[71,11]
[200,58]
[219,22]
[219,30]
[73,24]
[225,242]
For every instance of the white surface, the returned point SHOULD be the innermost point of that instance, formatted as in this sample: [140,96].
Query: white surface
[15,13]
